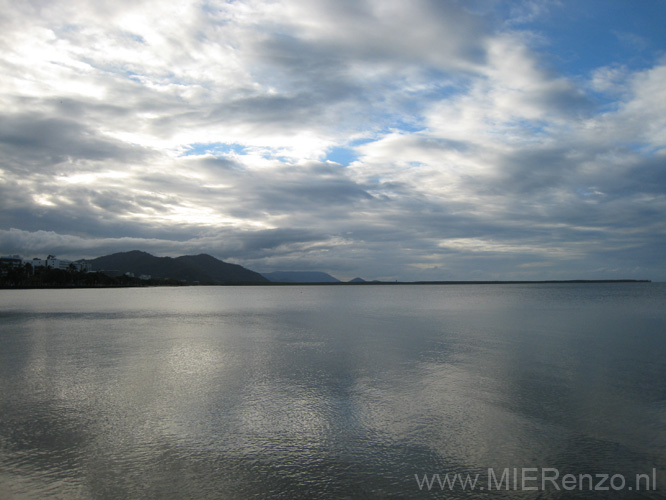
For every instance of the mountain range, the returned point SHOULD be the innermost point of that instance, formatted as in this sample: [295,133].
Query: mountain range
[191,268]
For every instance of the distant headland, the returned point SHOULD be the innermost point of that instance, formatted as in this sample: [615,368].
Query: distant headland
[136,268]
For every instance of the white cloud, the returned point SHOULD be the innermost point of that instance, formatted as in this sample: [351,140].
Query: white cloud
[610,79]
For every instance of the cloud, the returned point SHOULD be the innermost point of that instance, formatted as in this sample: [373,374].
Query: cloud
[45,141]
[188,128]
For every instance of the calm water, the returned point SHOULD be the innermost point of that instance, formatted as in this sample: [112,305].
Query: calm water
[328,392]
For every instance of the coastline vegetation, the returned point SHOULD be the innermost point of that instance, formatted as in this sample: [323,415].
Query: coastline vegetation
[27,276]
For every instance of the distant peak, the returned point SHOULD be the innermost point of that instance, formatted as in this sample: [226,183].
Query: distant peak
[199,256]
[133,252]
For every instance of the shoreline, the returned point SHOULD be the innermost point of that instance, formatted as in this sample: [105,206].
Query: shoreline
[342,283]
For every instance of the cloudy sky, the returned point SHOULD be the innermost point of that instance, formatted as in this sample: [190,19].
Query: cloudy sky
[388,139]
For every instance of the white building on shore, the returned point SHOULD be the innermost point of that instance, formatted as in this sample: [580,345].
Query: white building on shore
[11,261]
[51,261]
[79,265]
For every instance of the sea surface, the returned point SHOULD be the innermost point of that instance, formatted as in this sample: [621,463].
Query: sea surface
[332,391]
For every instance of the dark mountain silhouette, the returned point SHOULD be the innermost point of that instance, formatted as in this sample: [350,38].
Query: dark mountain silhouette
[357,280]
[202,268]
[300,277]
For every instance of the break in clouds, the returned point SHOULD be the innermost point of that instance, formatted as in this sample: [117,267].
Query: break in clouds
[387,139]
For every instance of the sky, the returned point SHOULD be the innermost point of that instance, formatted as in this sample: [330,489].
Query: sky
[387,139]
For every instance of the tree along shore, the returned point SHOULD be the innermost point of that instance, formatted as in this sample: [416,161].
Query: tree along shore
[26,276]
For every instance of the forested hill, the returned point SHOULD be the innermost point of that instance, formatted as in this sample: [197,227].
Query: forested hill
[191,268]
